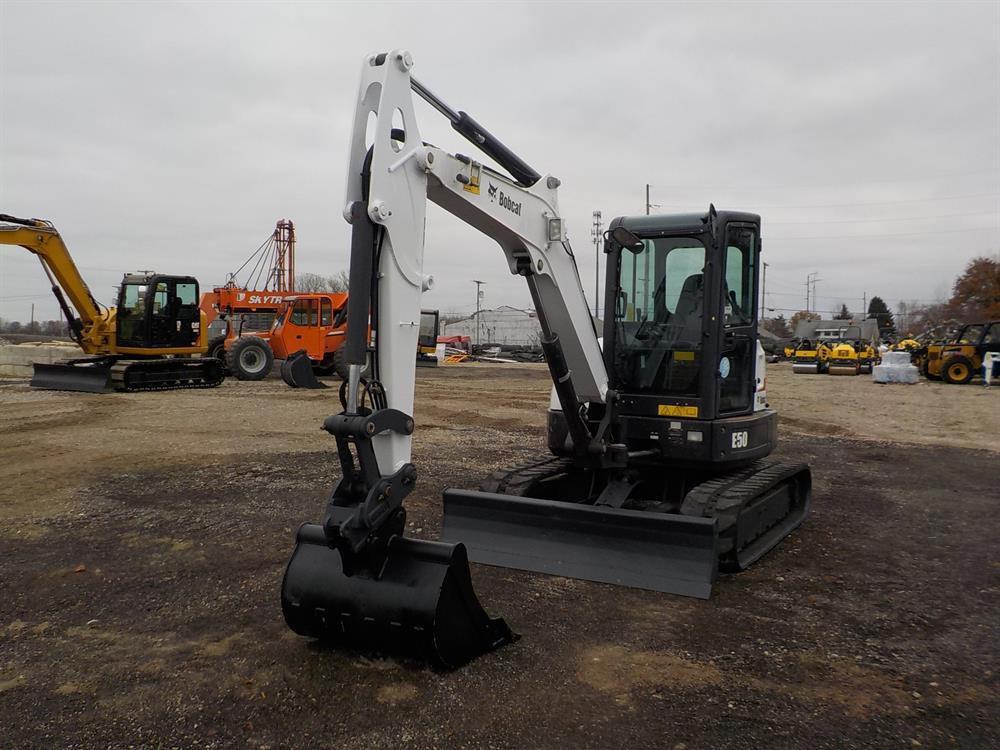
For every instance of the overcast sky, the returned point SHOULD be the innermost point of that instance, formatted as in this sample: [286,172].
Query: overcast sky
[172,136]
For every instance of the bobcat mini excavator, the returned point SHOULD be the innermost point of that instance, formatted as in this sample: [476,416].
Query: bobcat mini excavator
[657,478]
[143,344]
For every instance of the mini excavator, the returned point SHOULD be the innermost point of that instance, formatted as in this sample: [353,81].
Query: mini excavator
[154,340]
[658,476]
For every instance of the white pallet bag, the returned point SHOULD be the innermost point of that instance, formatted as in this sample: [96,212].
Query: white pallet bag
[895,368]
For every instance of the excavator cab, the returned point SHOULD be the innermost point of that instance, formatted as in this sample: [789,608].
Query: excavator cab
[679,489]
[158,312]
[681,342]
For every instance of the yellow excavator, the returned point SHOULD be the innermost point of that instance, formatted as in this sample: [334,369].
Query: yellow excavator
[146,343]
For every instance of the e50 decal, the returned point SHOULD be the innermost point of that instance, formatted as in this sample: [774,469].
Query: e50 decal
[741,439]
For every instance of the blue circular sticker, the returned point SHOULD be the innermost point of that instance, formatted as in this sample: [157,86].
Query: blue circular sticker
[724,367]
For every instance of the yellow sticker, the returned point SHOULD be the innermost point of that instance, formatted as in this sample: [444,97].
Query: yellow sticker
[684,356]
[672,410]
[472,186]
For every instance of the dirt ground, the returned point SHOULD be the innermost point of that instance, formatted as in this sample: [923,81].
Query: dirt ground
[143,538]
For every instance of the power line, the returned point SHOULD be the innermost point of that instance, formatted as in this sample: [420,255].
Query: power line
[876,221]
[851,205]
[830,184]
[890,234]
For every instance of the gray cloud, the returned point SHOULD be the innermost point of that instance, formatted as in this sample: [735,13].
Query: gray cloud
[172,136]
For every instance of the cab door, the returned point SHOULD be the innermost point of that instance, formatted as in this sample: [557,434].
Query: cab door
[738,350]
[302,329]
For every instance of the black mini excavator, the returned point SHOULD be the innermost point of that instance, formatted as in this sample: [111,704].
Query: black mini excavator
[659,434]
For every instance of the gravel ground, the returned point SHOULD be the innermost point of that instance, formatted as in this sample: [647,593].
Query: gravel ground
[143,538]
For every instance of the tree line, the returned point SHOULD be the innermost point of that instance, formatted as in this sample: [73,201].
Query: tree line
[975,296]
[36,328]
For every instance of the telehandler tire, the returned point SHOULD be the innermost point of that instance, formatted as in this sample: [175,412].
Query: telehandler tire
[250,358]
[340,365]
[217,348]
[958,371]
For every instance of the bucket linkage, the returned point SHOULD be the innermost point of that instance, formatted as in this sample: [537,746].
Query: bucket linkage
[357,582]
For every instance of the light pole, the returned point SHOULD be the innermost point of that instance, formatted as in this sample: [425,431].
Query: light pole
[596,231]
[479,296]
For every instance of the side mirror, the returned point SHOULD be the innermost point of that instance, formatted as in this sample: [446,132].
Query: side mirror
[626,239]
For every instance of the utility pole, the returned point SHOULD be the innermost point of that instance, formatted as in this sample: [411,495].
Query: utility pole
[479,297]
[809,280]
[648,204]
[815,299]
[763,291]
[32,328]
[596,231]
[864,305]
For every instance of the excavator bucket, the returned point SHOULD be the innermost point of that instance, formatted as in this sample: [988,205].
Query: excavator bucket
[656,551]
[297,371]
[66,376]
[420,604]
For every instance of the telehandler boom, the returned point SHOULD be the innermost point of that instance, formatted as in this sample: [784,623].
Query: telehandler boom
[656,478]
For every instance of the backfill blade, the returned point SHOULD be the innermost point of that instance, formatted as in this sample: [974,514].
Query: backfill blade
[84,378]
[421,604]
[657,551]
[297,371]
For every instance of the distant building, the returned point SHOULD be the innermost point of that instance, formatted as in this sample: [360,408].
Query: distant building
[506,326]
[864,330]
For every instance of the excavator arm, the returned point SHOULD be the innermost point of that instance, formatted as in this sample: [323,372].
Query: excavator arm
[91,326]
[355,578]
[388,185]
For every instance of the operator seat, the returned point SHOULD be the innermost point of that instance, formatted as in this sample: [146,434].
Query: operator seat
[684,328]
[688,312]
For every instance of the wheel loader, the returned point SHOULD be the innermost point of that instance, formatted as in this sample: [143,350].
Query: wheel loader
[659,473]
[958,361]
[146,343]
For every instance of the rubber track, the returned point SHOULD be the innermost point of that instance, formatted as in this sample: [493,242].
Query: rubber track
[518,480]
[724,498]
[118,378]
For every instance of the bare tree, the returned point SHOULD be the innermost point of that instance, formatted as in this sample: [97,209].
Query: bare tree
[314,282]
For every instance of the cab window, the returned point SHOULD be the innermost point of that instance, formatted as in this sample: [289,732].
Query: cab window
[741,257]
[161,299]
[326,313]
[970,335]
[304,313]
[187,293]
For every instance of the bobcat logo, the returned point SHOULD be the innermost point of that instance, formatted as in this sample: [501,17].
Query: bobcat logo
[493,192]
